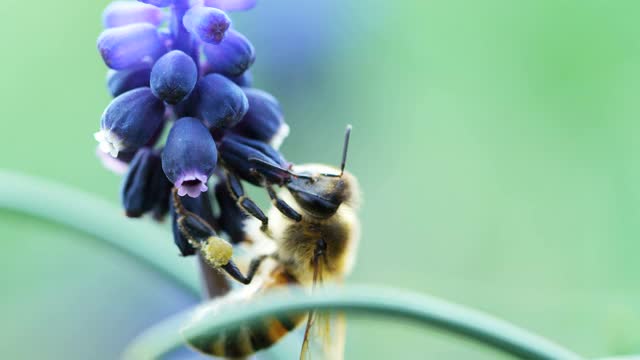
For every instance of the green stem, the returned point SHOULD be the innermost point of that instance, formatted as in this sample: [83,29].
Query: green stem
[425,310]
[151,245]
[147,242]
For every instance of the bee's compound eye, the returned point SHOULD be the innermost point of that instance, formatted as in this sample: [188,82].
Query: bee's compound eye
[315,204]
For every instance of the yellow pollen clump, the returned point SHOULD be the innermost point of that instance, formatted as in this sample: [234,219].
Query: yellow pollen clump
[217,251]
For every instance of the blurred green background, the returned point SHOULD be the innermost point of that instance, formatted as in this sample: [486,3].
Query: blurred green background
[496,143]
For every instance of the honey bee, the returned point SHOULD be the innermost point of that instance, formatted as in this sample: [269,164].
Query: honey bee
[320,244]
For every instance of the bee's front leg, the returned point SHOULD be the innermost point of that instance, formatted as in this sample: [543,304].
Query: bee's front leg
[280,204]
[237,192]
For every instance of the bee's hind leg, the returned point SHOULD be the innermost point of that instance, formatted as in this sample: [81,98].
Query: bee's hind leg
[237,192]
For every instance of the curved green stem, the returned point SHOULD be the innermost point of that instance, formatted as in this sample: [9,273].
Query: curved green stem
[151,245]
[146,242]
[425,310]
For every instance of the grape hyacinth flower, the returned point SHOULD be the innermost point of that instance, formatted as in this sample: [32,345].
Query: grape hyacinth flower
[173,77]
[189,157]
[130,121]
[178,67]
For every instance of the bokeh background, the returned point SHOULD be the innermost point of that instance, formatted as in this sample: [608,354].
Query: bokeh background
[496,143]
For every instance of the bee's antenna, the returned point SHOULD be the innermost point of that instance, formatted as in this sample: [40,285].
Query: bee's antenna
[345,149]
[272,166]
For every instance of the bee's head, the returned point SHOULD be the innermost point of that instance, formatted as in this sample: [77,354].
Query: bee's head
[318,189]
[321,189]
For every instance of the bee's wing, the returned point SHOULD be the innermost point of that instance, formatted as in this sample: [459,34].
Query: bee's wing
[325,332]
[334,342]
[327,337]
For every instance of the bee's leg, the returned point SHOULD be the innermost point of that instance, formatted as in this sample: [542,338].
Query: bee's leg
[217,252]
[282,206]
[246,204]
[195,229]
[235,273]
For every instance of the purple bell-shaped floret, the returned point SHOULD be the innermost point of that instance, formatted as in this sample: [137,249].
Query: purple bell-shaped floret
[145,187]
[219,102]
[173,77]
[189,156]
[207,24]
[158,3]
[119,82]
[131,46]
[121,13]
[130,121]
[264,121]
[231,57]
[231,5]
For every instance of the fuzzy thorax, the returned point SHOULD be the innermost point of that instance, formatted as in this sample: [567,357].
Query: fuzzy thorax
[296,241]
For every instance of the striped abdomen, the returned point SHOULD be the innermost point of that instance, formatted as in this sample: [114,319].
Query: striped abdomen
[256,336]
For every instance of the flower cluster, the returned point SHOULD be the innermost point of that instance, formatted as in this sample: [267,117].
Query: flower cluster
[179,67]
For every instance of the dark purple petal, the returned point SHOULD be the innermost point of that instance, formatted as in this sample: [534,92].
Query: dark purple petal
[220,102]
[136,45]
[264,121]
[236,152]
[208,24]
[232,218]
[233,56]
[158,3]
[145,187]
[231,5]
[130,121]
[173,77]
[121,13]
[122,81]
[189,157]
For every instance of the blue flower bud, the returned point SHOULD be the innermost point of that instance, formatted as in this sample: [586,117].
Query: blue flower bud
[233,56]
[189,157]
[208,24]
[136,45]
[130,121]
[231,5]
[220,103]
[264,120]
[237,153]
[244,80]
[158,3]
[145,187]
[119,82]
[173,77]
[121,13]
[201,207]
